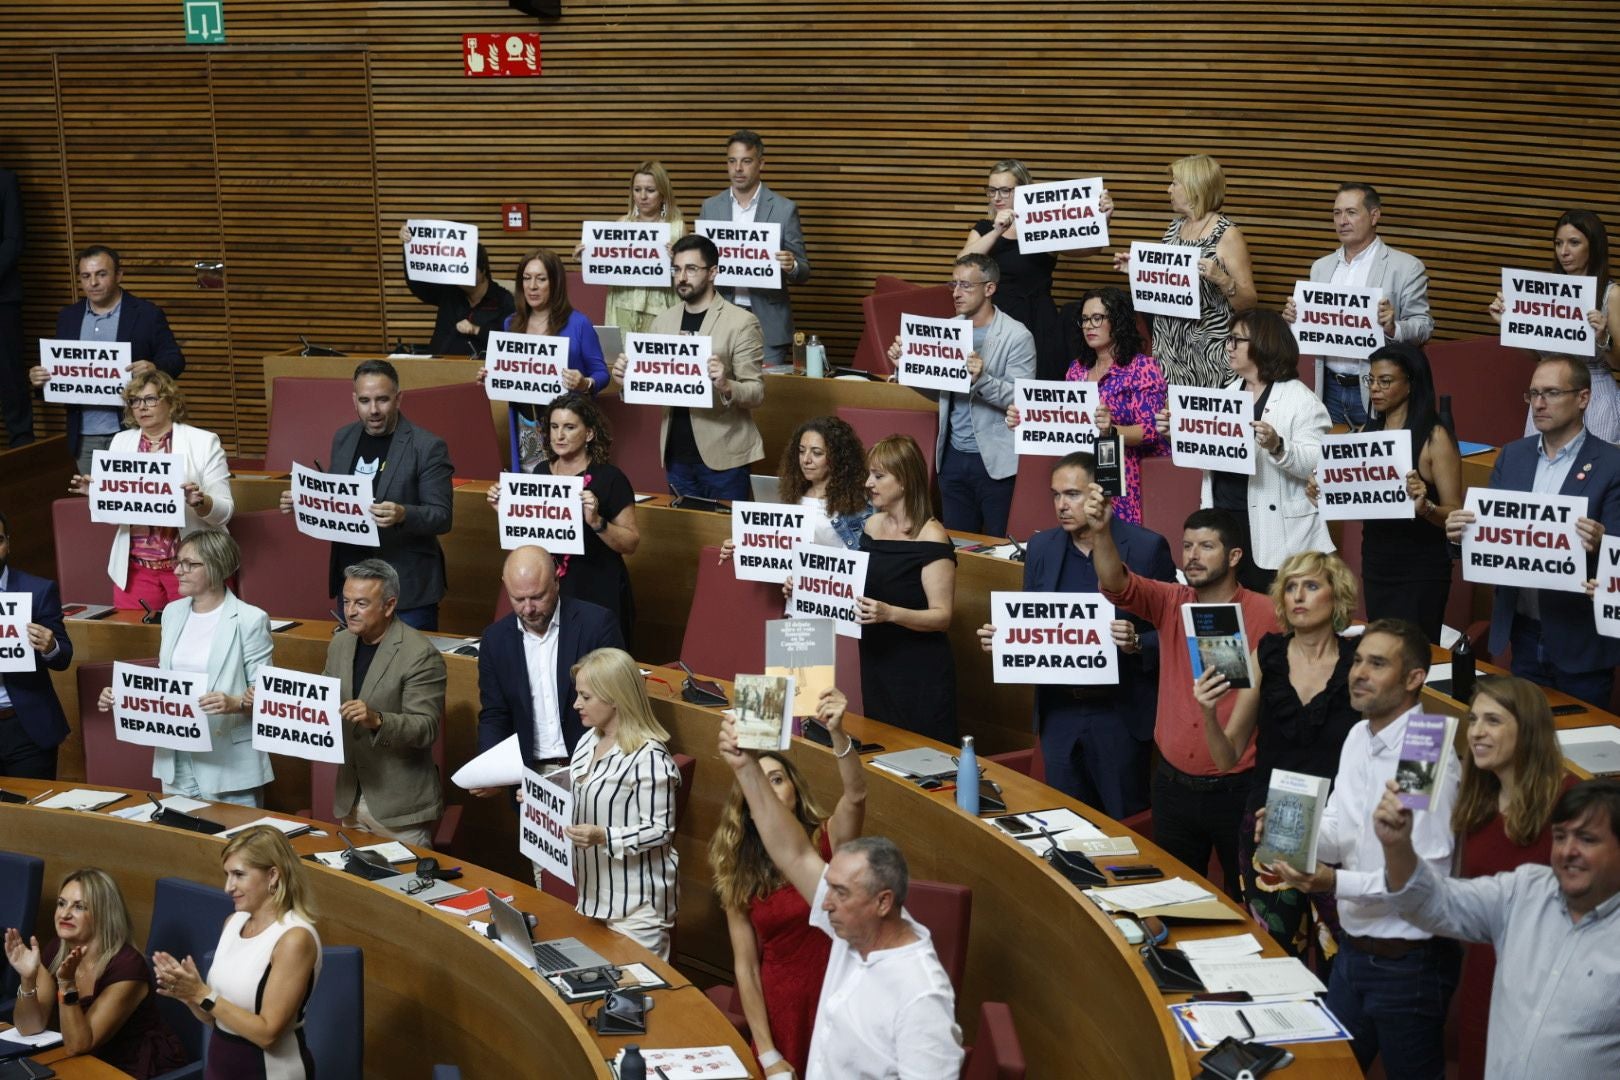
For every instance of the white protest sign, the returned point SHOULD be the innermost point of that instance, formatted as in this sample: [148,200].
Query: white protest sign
[1547,312]
[748,251]
[763,536]
[526,368]
[1332,320]
[334,506]
[137,489]
[1212,429]
[86,373]
[934,352]
[542,510]
[1606,600]
[1054,418]
[16,612]
[1164,279]
[296,714]
[155,707]
[668,369]
[548,810]
[441,252]
[826,581]
[1060,216]
[1057,638]
[630,253]
[1524,539]
[1362,476]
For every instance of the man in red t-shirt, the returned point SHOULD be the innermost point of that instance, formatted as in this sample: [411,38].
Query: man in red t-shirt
[1196,807]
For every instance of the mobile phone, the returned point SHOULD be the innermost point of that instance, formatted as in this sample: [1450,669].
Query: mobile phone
[1571,709]
[1223,995]
[1141,872]
[1014,824]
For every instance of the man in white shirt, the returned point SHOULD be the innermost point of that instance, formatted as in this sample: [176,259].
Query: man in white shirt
[887,1010]
[1392,981]
[1366,262]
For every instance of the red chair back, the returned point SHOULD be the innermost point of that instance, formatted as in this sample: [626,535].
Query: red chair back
[636,449]
[873,425]
[283,571]
[997,1053]
[882,325]
[589,300]
[868,353]
[459,414]
[742,607]
[106,759]
[848,675]
[1032,498]
[1484,381]
[82,549]
[303,415]
[1169,495]
[323,782]
[947,910]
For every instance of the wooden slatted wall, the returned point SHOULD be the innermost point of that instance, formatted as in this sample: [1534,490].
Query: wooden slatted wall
[1478,122]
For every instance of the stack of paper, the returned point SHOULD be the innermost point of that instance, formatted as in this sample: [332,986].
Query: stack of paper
[282,825]
[693,1063]
[1151,894]
[81,799]
[144,811]
[1220,948]
[42,1041]
[1206,1023]
[392,850]
[1277,977]
[1595,749]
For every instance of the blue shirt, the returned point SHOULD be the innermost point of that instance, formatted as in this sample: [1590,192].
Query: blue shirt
[962,437]
[96,419]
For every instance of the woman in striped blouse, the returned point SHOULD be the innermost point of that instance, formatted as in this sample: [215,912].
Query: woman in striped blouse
[624,803]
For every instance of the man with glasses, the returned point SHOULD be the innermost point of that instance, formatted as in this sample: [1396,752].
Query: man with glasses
[1554,634]
[109,313]
[974,450]
[1366,262]
[707,452]
[746,201]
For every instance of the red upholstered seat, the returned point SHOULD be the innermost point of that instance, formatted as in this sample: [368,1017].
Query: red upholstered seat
[947,910]
[725,630]
[1032,498]
[81,567]
[589,300]
[1169,495]
[996,1054]
[323,786]
[1029,762]
[868,351]
[459,414]
[283,571]
[107,760]
[304,413]
[636,449]
[882,325]
[1484,381]
[873,425]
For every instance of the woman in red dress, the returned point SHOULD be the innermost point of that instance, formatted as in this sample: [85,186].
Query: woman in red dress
[1511,777]
[778,957]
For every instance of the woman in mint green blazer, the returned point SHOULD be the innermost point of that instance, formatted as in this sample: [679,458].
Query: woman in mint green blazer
[209,631]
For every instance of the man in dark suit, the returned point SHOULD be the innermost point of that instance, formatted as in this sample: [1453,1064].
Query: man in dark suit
[749,200]
[31,721]
[15,396]
[1554,634]
[410,469]
[1096,740]
[393,682]
[526,661]
[110,313]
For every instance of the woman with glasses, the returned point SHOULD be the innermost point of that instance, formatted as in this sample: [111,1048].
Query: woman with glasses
[1130,387]
[1289,422]
[1581,248]
[1025,291]
[91,983]
[141,563]
[209,632]
[1193,351]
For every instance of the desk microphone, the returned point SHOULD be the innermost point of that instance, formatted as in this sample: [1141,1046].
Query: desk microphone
[150,616]
[1018,549]
[342,623]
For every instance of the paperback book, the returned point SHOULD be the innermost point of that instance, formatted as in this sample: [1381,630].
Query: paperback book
[1216,639]
[1425,754]
[805,650]
[763,706]
[1294,804]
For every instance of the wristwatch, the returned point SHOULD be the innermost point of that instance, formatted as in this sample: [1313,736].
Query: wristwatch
[208,1002]
[69,997]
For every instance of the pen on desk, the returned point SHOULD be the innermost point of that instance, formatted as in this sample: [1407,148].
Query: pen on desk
[1244,1020]
[659,1069]
[1037,820]
[40,798]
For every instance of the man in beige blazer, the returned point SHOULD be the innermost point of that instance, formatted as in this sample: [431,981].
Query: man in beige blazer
[707,452]
[388,783]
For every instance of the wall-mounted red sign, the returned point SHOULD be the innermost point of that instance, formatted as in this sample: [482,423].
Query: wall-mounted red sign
[501,55]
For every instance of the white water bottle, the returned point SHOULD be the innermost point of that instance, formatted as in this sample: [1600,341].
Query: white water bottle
[815,358]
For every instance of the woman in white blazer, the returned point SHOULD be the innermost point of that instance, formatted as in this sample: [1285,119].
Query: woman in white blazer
[1289,423]
[141,563]
[209,631]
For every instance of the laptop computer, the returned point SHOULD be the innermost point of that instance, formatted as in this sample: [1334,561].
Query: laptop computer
[765,488]
[544,957]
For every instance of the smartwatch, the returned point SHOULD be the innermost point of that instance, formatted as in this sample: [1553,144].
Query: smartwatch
[69,997]
[207,1003]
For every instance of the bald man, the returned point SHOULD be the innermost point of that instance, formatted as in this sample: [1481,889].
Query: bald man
[525,664]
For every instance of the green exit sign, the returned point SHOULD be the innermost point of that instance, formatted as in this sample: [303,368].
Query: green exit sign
[205,22]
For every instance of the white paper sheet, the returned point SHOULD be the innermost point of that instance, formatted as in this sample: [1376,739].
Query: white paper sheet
[499,766]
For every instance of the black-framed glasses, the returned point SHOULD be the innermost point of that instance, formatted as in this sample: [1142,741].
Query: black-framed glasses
[965,286]
[145,402]
[997,192]
[1235,339]
[1093,320]
[1553,396]
[186,566]
[1382,382]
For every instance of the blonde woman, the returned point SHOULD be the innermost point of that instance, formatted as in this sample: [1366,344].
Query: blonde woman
[265,965]
[91,983]
[778,958]
[652,201]
[624,782]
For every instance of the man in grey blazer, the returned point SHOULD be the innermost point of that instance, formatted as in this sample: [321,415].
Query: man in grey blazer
[392,692]
[1365,262]
[410,469]
[974,452]
[748,199]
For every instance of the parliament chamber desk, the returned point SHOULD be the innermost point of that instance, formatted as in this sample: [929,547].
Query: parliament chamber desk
[435,992]
[1083,1004]
[789,399]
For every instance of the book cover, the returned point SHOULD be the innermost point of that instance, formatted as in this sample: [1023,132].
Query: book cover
[469,903]
[1425,750]
[763,707]
[1216,639]
[805,650]
[1294,804]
